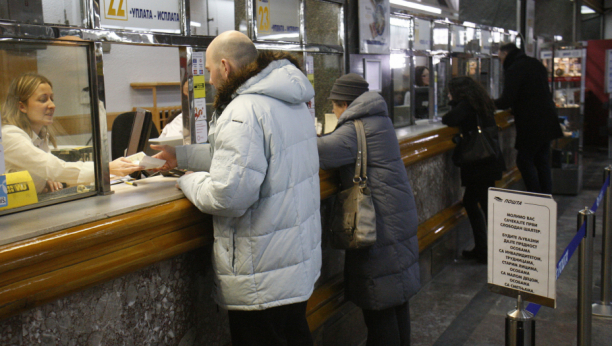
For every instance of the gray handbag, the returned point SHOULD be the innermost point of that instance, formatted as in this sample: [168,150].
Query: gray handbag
[354,218]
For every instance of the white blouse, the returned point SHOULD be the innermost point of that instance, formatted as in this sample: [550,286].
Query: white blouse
[32,154]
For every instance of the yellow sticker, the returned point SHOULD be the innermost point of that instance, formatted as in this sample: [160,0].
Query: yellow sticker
[20,189]
[199,87]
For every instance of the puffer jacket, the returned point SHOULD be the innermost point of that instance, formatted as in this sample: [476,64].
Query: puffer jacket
[263,188]
[387,273]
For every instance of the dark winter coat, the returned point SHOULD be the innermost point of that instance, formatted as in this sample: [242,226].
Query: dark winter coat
[387,273]
[463,116]
[527,92]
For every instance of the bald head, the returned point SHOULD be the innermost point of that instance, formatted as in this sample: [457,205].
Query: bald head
[229,52]
[235,47]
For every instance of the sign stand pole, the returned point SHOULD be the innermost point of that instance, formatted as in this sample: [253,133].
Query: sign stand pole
[585,277]
[520,326]
[604,308]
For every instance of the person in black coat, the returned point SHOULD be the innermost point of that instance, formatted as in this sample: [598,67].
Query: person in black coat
[380,279]
[527,93]
[469,100]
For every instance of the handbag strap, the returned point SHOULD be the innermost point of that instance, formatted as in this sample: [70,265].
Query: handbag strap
[361,164]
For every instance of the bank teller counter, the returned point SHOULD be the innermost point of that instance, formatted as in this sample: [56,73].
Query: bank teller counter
[94,241]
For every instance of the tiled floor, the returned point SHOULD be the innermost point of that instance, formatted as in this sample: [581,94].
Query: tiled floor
[456,308]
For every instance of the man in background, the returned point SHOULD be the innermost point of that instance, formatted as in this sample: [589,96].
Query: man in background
[259,178]
[527,93]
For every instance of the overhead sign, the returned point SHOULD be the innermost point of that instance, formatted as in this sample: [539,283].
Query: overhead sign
[149,15]
[278,20]
[374,31]
[422,34]
[485,37]
[522,245]
[458,39]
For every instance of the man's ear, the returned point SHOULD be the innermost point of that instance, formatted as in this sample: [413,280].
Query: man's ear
[226,68]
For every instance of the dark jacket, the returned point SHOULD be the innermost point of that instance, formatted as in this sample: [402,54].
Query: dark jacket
[463,116]
[527,92]
[387,273]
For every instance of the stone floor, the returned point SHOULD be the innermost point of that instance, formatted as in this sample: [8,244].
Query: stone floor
[456,308]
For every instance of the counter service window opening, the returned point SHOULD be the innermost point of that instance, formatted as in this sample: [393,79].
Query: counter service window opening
[46,123]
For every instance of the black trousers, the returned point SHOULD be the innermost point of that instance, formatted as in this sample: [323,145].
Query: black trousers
[279,326]
[475,202]
[388,327]
[534,165]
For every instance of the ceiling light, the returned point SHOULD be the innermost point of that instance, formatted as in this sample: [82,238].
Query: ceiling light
[409,4]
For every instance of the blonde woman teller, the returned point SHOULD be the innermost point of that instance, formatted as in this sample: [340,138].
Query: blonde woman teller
[26,115]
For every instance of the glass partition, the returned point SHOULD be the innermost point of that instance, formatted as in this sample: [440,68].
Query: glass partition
[422,82]
[472,38]
[442,70]
[327,68]
[400,73]
[46,123]
[57,12]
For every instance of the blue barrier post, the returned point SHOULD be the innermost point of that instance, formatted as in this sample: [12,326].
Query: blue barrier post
[604,308]
[585,277]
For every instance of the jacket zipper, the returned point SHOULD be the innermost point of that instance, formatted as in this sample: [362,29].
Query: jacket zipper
[233,251]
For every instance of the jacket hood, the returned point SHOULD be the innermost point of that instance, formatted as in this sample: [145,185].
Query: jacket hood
[512,57]
[274,74]
[369,103]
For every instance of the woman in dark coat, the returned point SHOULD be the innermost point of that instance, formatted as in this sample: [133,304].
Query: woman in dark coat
[379,279]
[469,100]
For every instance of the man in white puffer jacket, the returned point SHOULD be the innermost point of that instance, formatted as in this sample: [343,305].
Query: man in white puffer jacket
[262,187]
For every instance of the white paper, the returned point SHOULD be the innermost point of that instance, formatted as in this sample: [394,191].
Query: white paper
[331,121]
[2,166]
[201,125]
[197,63]
[145,161]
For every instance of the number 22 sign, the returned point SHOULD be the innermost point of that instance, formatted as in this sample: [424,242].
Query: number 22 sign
[263,16]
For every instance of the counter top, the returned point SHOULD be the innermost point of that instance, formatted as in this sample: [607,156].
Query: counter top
[126,198]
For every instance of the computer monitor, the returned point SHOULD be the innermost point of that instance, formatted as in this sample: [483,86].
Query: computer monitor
[140,133]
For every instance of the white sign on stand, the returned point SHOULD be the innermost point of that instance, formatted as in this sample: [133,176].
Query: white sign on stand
[522,245]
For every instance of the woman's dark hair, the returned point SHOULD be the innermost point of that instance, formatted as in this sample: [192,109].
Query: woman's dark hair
[466,88]
[418,75]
